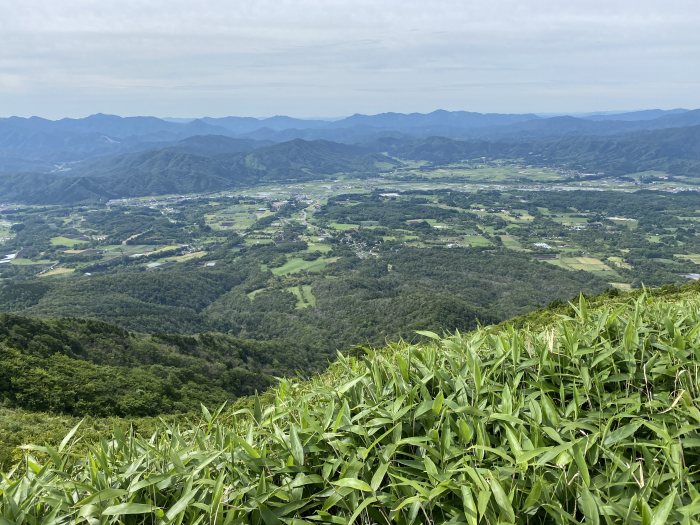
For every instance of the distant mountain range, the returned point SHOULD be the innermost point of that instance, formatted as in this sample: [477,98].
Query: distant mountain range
[106,156]
[674,150]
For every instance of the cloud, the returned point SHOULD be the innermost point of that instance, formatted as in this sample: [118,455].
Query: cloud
[310,57]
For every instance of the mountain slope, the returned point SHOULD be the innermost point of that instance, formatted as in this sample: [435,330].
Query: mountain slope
[85,367]
[299,158]
[676,150]
[43,145]
[194,165]
[560,422]
[645,114]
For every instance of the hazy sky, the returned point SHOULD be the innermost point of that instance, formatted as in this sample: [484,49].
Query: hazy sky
[325,58]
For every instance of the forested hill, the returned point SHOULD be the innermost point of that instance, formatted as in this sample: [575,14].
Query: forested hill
[201,164]
[83,367]
[583,414]
[675,150]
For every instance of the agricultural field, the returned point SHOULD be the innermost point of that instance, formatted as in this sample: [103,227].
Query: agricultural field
[693,257]
[487,173]
[586,264]
[304,295]
[528,210]
[296,264]
[352,260]
[68,242]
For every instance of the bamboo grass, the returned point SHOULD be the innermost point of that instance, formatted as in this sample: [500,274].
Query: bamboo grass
[594,418]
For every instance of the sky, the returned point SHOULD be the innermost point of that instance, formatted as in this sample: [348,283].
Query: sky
[328,58]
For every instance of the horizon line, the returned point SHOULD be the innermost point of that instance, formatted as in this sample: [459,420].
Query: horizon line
[540,114]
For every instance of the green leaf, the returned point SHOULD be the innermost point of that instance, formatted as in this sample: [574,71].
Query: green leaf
[128,508]
[622,433]
[437,403]
[69,436]
[663,509]
[296,446]
[645,511]
[580,460]
[205,413]
[353,483]
[347,386]
[431,468]
[482,501]
[360,508]
[181,505]
[428,334]
[378,476]
[102,496]
[470,510]
[589,508]
[502,499]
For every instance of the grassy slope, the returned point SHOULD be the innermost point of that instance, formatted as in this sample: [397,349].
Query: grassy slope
[18,427]
[587,414]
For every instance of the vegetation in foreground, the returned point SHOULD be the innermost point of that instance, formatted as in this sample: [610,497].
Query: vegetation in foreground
[591,418]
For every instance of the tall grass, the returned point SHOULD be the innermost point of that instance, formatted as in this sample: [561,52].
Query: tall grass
[593,419]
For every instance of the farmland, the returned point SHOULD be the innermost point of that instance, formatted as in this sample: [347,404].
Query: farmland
[255,250]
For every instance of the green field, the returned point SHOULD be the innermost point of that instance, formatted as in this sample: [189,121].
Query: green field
[296,264]
[619,262]
[30,262]
[587,264]
[489,174]
[304,295]
[237,217]
[250,240]
[476,240]
[319,247]
[343,227]
[569,219]
[511,242]
[67,242]
[164,249]
[251,295]
[186,257]
[128,249]
[58,271]
[693,257]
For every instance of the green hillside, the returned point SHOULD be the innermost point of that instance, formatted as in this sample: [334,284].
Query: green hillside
[208,164]
[82,367]
[588,413]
